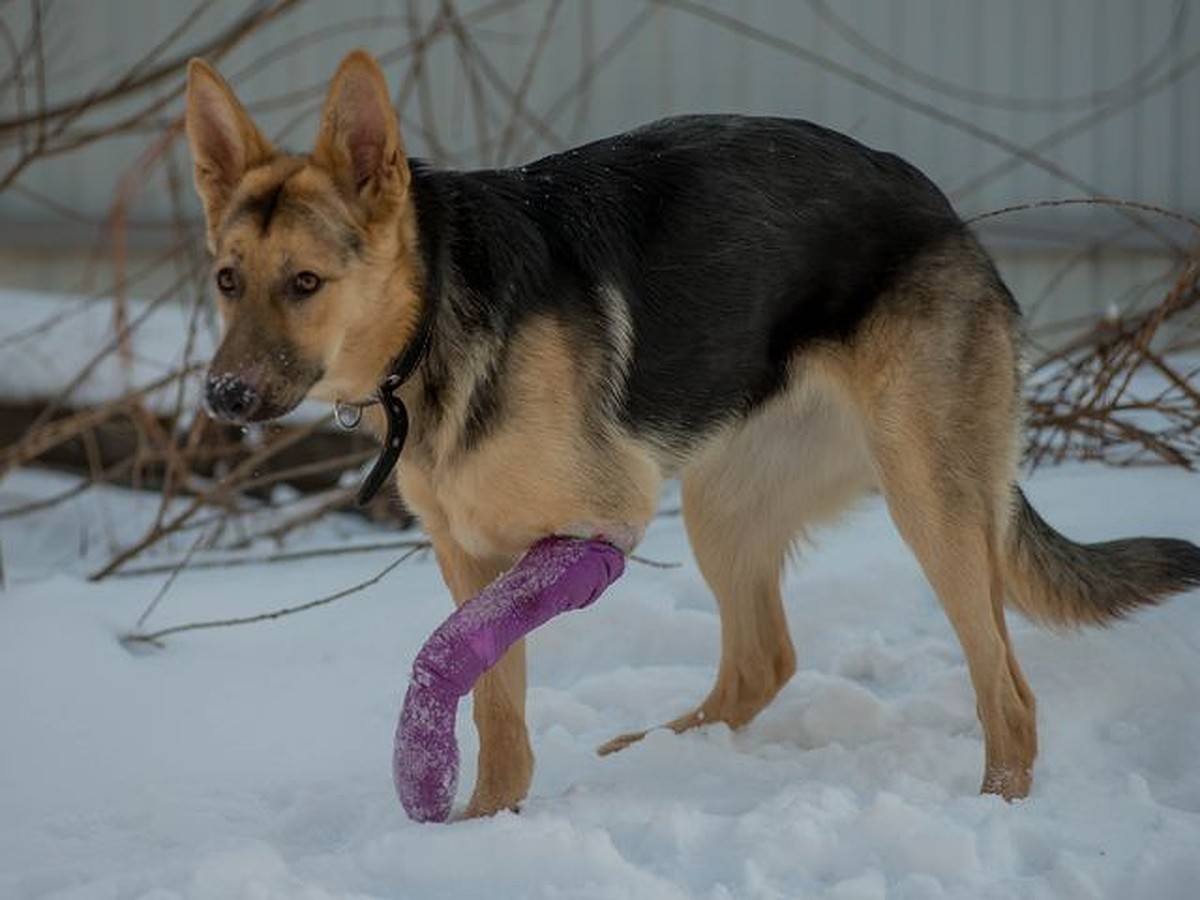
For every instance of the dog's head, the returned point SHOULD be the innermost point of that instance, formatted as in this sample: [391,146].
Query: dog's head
[314,257]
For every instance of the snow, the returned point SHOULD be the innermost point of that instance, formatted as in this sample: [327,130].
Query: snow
[48,338]
[253,762]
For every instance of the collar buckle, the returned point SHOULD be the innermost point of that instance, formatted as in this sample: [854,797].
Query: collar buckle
[348,416]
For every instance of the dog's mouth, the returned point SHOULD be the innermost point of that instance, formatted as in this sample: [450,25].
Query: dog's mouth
[241,398]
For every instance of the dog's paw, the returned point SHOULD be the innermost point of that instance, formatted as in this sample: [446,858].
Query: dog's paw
[484,804]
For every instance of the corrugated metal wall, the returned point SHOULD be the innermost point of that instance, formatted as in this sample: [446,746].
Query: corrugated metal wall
[1101,95]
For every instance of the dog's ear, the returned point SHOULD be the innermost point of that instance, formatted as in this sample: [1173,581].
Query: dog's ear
[359,141]
[225,142]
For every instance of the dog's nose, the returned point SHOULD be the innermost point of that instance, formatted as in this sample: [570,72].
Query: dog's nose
[231,399]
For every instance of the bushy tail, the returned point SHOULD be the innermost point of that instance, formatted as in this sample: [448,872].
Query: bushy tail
[1057,582]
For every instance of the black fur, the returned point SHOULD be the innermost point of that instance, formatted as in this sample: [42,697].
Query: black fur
[261,207]
[278,203]
[733,240]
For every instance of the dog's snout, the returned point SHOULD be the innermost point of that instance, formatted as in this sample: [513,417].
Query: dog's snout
[231,398]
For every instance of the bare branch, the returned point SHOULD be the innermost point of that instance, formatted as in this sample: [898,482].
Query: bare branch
[155,638]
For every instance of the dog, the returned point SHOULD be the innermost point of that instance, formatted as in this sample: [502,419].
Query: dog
[767,310]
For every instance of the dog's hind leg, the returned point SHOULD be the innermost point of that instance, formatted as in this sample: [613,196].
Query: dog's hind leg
[938,387]
[794,463]
[952,531]
[757,657]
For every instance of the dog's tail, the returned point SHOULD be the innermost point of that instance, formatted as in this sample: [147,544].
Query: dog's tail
[1057,582]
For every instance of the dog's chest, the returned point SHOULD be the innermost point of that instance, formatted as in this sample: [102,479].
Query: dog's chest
[521,486]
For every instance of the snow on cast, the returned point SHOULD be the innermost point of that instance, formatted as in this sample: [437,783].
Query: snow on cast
[556,575]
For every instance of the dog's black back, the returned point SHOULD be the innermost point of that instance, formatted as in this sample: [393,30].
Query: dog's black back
[733,241]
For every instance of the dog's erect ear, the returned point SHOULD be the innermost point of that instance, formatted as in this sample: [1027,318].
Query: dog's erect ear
[225,142]
[359,142]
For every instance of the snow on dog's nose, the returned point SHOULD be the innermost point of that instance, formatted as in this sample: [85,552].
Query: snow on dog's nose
[231,398]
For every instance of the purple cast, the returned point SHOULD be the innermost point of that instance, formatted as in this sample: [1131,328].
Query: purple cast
[555,575]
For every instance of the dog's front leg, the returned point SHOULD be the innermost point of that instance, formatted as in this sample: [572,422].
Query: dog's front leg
[505,756]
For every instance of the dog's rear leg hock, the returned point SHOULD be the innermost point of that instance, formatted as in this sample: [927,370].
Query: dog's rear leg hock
[555,575]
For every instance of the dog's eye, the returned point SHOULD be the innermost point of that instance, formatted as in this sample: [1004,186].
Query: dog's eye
[305,283]
[227,281]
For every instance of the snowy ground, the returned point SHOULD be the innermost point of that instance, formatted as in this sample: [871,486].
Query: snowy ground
[254,762]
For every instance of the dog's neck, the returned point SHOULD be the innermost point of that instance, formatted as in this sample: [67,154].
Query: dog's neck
[402,368]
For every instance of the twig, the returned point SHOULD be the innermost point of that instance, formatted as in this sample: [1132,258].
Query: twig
[38,441]
[315,508]
[155,637]
[1016,154]
[654,563]
[271,559]
[1130,84]
[220,491]
[1082,405]
[509,133]
[123,88]
[1089,201]
[170,580]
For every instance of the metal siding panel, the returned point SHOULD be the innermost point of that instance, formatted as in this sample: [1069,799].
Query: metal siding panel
[680,62]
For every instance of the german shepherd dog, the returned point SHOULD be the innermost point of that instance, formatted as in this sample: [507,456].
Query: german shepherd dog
[767,310]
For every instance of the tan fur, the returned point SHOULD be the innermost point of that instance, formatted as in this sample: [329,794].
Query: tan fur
[225,142]
[921,405]
[747,497]
[935,377]
[946,466]
[505,765]
[352,328]
[539,475]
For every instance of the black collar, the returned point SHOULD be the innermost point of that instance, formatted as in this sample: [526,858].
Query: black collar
[394,410]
